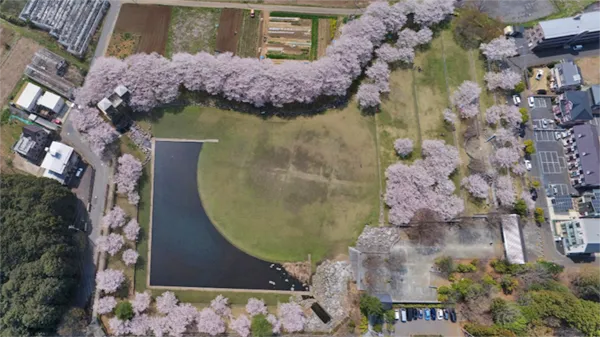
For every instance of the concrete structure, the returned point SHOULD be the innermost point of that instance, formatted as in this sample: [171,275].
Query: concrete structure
[581,236]
[589,204]
[513,245]
[60,161]
[49,70]
[42,122]
[566,32]
[32,142]
[584,163]
[73,23]
[51,102]
[566,76]
[29,96]
[574,107]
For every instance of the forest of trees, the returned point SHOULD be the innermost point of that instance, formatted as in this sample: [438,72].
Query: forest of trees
[38,258]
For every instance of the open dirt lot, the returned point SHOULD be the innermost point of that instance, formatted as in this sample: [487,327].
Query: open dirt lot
[590,69]
[193,30]
[324,36]
[250,34]
[151,22]
[230,25]
[11,70]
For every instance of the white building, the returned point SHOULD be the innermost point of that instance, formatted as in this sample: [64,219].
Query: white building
[581,236]
[29,97]
[513,245]
[60,162]
[52,102]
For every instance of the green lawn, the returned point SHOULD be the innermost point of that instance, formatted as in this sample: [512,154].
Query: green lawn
[281,190]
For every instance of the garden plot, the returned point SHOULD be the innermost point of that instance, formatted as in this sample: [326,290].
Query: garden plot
[230,25]
[289,37]
[193,30]
[150,22]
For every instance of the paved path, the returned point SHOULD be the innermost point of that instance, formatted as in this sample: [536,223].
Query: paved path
[115,5]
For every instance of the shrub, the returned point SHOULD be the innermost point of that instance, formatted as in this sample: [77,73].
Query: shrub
[466,268]
[520,87]
[445,264]
[520,207]
[261,327]
[364,325]
[5,117]
[124,311]
[529,147]
[370,305]
[539,215]
[524,115]
[484,331]
[508,284]
[377,328]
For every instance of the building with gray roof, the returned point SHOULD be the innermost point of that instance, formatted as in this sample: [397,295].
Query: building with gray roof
[32,142]
[585,137]
[567,76]
[594,93]
[581,236]
[575,108]
[565,32]
[73,23]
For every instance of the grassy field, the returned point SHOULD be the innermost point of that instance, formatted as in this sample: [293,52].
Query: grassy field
[590,69]
[249,36]
[192,30]
[299,187]
[9,134]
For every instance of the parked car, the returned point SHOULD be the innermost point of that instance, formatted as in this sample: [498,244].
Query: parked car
[397,314]
[565,134]
[453,315]
[427,314]
[409,314]
[544,123]
[558,135]
[539,75]
[79,172]
[403,315]
[531,101]
[577,47]
[440,314]
[516,99]
[432,310]
[555,189]
[528,164]
[542,92]
[446,314]
[252,13]
[534,194]
[57,121]
[420,313]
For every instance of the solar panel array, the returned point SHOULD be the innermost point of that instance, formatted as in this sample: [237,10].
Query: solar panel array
[562,203]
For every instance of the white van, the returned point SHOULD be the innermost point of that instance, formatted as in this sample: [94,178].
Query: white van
[397,314]
[403,315]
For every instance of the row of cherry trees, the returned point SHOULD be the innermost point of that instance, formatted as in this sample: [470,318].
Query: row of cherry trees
[116,219]
[176,318]
[129,171]
[154,80]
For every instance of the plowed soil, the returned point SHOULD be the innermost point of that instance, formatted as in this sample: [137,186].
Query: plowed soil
[151,22]
[230,25]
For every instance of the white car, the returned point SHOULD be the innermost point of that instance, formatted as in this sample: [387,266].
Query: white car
[539,74]
[516,99]
[531,101]
[79,172]
[557,135]
[528,164]
[440,314]
[397,314]
[544,123]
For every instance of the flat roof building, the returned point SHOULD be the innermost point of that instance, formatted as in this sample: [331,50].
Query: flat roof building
[59,161]
[29,96]
[565,32]
[581,236]
[52,102]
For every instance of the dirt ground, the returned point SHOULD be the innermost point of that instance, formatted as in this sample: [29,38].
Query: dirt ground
[193,30]
[320,3]
[11,69]
[149,21]
[535,85]
[123,45]
[324,36]
[230,25]
[251,34]
[590,69]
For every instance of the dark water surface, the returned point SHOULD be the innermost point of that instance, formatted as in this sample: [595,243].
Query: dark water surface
[187,250]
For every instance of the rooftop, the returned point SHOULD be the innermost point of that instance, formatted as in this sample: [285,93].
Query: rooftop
[571,26]
[581,108]
[588,146]
[29,96]
[50,100]
[582,236]
[57,158]
[595,94]
[568,73]
[512,239]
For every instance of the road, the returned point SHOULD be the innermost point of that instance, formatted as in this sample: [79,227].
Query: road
[115,6]
[529,59]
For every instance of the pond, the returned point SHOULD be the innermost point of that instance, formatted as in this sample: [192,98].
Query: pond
[187,250]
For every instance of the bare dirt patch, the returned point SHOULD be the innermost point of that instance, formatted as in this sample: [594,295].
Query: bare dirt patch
[193,30]
[325,35]
[590,69]
[251,34]
[230,25]
[123,45]
[151,22]
[13,66]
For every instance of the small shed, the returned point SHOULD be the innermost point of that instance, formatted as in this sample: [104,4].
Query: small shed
[29,97]
[52,102]
[513,245]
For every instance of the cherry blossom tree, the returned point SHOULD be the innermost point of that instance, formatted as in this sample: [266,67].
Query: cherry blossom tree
[118,327]
[528,201]
[493,114]
[105,305]
[129,171]
[141,302]
[505,192]
[111,243]
[505,157]
[393,17]
[130,257]
[449,116]
[390,54]
[379,73]
[100,138]
[509,114]
[403,146]
[220,305]
[115,218]
[506,79]
[368,95]
[159,325]
[291,317]
[499,48]
[466,94]
[476,185]
[506,138]
[131,230]
[518,169]
[209,322]
[241,325]
[431,12]
[180,317]
[408,38]
[256,307]
[166,302]
[109,280]
[274,323]
[469,111]
[139,325]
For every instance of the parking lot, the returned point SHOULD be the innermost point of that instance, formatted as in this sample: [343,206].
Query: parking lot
[423,327]
[551,163]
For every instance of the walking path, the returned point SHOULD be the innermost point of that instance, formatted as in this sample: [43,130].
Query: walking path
[115,6]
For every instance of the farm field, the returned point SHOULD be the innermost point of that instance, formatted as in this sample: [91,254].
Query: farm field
[289,38]
[327,30]
[123,45]
[150,22]
[305,186]
[250,34]
[193,30]
[13,61]
[230,24]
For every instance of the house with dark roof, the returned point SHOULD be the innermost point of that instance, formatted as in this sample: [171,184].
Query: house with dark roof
[565,76]
[565,32]
[32,142]
[594,93]
[585,164]
[574,107]
[115,108]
